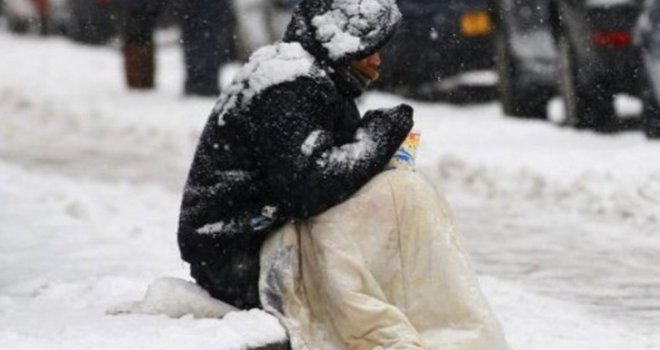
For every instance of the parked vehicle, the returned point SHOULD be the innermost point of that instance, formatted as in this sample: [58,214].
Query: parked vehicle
[597,58]
[648,39]
[278,16]
[89,21]
[38,16]
[526,56]
[587,44]
[437,40]
[93,21]
[260,22]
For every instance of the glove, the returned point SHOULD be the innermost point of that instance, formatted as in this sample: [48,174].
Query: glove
[398,120]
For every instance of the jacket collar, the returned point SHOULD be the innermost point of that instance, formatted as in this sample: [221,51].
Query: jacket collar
[349,82]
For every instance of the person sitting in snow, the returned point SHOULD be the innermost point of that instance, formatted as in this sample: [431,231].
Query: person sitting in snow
[286,141]
[289,207]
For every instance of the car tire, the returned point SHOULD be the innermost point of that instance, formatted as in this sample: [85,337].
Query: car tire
[92,23]
[519,99]
[651,122]
[587,105]
[651,109]
[18,26]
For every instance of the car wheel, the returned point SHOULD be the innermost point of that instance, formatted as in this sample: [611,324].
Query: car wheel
[518,98]
[18,25]
[652,121]
[587,105]
[651,111]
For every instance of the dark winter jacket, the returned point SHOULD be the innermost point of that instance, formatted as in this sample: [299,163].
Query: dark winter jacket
[286,141]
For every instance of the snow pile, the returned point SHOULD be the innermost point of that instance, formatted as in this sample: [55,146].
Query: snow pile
[342,29]
[74,248]
[505,159]
[175,297]
[595,194]
[268,66]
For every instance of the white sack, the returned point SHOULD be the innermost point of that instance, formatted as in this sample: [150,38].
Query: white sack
[385,269]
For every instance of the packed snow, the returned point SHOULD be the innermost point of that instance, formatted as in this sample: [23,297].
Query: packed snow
[563,226]
[175,298]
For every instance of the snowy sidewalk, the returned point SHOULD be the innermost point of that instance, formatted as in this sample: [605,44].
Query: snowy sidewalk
[563,225]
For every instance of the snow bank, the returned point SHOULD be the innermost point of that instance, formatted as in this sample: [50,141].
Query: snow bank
[477,149]
[175,298]
[592,193]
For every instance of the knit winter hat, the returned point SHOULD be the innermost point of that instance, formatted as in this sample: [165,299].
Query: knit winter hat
[339,31]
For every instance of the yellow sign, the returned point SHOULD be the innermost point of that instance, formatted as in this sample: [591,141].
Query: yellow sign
[476,23]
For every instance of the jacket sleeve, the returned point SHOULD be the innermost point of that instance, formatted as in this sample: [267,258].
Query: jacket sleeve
[306,171]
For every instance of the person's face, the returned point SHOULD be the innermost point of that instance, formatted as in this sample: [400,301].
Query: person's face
[368,66]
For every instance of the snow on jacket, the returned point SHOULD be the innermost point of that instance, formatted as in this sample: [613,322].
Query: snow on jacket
[286,141]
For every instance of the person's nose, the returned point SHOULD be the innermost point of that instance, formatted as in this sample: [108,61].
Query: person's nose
[374,60]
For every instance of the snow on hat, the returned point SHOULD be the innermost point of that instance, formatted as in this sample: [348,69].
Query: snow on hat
[343,30]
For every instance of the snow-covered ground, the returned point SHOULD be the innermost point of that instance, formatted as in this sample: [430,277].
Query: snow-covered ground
[563,226]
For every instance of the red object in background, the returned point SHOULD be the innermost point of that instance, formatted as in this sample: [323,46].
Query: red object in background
[103,2]
[42,7]
[611,39]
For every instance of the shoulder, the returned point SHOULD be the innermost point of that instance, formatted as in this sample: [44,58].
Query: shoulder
[277,66]
[316,90]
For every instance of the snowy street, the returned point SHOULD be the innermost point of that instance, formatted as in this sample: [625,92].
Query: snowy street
[563,226]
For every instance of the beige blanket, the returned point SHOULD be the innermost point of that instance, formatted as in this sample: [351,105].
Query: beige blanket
[385,269]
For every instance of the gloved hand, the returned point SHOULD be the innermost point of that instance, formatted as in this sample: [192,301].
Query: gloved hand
[398,120]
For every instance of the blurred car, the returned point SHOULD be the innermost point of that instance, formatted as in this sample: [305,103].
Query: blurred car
[597,58]
[278,16]
[587,44]
[89,21]
[93,21]
[437,40]
[456,36]
[526,56]
[41,16]
[260,22]
[648,39]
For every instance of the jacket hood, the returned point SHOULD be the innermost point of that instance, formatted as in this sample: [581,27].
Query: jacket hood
[338,31]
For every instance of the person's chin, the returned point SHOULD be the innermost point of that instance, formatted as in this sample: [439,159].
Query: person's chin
[371,73]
